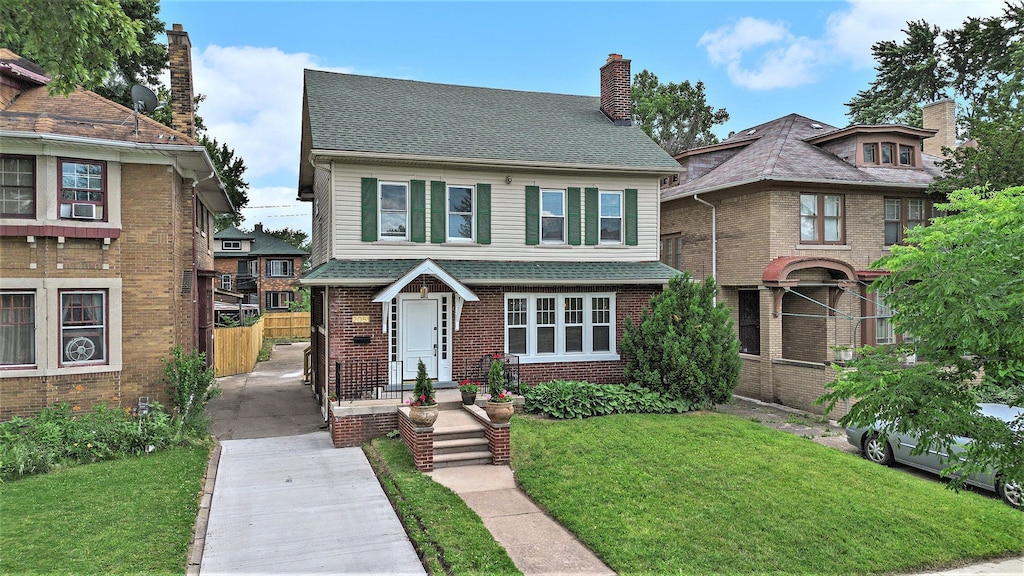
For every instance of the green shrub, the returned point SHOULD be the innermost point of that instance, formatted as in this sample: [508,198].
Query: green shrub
[569,399]
[684,344]
[423,391]
[190,384]
[63,435]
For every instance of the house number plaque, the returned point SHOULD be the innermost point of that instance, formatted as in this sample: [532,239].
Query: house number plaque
[360,319]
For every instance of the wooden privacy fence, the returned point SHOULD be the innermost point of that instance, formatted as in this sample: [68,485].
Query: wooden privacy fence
[235,349]
[286,324]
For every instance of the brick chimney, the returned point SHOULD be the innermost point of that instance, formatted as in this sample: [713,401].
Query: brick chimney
[616,100]
[179,52]
[940,115]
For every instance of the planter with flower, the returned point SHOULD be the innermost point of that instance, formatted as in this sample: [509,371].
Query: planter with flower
[422,405]
[499,406]
[468,388]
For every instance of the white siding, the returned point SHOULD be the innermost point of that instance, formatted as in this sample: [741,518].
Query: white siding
[508,216]
[322,216]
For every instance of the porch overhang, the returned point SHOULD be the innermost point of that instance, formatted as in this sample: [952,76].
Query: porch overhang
[430,267]
[776,274]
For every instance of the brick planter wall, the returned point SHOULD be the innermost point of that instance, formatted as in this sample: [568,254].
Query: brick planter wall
[499,438]
[419,440]
[356,426]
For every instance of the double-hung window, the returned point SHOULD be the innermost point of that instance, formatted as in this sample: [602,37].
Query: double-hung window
[231,245]
[278,300]
[83,189]
[888,152]
[460,213]
[552,217]
[870,153]
[83,327]
[279,268]
[821,219]
[225,281]
[17,187]
[902,214]
[394,211]
[906,155]
[611,217]
[883,321]
[550,327]
[17,329]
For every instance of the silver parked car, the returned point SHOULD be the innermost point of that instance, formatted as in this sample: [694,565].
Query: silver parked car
[897,447]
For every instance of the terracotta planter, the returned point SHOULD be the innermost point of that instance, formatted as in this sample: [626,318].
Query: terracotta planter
[469,398]
[423,416]
[499,412]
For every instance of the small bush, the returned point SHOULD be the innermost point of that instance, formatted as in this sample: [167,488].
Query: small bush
[191,385]
[63,435]
[569,399]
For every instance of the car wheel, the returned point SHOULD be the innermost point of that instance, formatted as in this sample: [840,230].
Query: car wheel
[1010,492]
[877,450]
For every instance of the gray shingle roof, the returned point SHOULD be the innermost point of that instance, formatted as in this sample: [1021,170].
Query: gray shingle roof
[493,272]
[386,116]
[778,150]
[263,244]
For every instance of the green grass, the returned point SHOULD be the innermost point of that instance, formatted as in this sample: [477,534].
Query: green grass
[712,493]
[443,528]
[124,516]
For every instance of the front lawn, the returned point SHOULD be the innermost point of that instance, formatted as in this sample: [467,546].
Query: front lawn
[124,516]
[711,493]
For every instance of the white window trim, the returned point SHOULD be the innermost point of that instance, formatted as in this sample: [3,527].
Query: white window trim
[532,357]
[230,245]
[48,339]
[600,217]
[225,281]
[448,213]
[565,222]
[286,263]
[280,294]
[380,212]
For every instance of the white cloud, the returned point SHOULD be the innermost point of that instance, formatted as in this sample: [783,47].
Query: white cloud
[276,207]
[762,55]
[254,103]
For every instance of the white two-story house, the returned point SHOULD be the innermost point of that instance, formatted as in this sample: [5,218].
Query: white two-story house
[453,222]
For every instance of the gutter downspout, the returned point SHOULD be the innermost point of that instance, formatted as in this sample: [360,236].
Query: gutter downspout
[714,241]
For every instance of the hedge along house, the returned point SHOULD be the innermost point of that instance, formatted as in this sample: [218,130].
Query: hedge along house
[452,222]
[106,241]
[787,217]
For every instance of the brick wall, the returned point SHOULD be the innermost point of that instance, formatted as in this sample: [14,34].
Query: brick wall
[355,430]
[419,440]
[24,397]
[799,385]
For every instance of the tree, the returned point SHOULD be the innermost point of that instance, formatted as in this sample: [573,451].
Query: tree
[676,116]
[231,169]
[684,344]
[296,238]
[980,65]
[76,41]
[143,67]
[958,287]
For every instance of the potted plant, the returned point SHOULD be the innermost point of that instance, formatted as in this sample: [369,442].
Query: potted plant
[468,388]
[499,406]
[843,353]
[422,405]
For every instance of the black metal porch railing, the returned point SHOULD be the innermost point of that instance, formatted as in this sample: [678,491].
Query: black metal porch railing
[362,379]
[478,370]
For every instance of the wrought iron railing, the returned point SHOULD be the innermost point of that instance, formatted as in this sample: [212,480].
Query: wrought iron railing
[479,369]
[363,379]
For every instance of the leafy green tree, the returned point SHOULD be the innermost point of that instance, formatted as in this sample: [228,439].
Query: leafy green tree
[231,169]
[676,116]
[979,65]
[143,67]
[296,238]
[76,41]
[684,344]
[957,285]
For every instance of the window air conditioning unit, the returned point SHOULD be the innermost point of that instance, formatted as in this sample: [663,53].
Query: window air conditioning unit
[83,211]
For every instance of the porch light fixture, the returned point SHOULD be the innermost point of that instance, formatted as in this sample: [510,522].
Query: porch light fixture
[423,291]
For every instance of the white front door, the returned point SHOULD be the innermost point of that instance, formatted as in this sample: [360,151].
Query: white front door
[419,336]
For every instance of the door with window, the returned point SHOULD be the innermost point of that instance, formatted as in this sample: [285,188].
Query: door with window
[750,321]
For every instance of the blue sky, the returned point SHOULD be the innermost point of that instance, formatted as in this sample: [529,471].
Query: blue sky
[758,60]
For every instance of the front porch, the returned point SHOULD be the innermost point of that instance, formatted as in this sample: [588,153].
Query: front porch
[462,435]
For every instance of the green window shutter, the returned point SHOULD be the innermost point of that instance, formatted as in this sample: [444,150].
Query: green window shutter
[418,209]
[631,219]
[483,213]
[574,216]
[532,215]
[438,214]
[591,219]
[369,207]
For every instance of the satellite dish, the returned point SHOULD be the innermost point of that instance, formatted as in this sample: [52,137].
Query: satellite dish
[143,99]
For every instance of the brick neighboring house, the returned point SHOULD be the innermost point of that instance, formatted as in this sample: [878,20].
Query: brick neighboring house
[264,269]
[106,242]
[788,217]
[450,222]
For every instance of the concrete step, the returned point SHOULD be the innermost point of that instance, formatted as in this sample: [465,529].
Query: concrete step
[454,446]
[462,459]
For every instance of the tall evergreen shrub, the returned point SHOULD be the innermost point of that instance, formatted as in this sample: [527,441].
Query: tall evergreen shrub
[684,344]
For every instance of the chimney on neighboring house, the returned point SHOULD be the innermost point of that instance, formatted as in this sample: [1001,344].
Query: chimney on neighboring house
[939,115]
[179,53]
[616,100]
[258,227]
